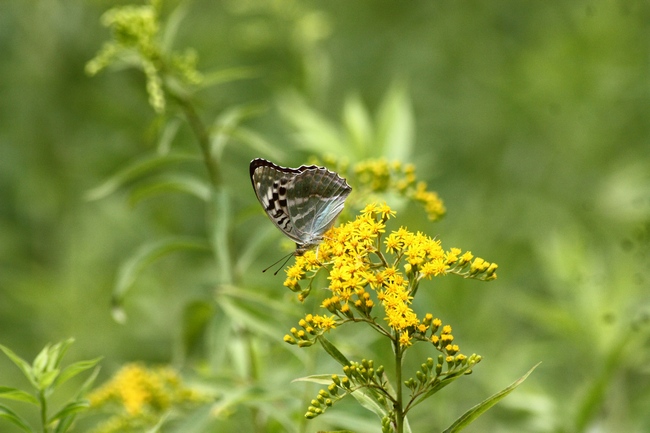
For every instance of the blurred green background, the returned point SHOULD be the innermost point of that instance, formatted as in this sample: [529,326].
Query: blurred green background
[531,121]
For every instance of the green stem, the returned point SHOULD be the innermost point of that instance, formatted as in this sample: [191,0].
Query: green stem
[43,401]
[202,136]
[398,406]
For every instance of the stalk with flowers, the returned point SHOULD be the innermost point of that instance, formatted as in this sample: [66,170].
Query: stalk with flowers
[362,265]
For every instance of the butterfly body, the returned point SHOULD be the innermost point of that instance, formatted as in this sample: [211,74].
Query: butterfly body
[302,202]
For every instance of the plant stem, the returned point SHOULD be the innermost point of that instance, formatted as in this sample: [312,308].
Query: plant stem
[399,412]
[43,401]
[202,136]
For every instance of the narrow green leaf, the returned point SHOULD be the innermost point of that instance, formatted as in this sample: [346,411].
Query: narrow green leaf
[21,363]
[218,337]
[258,143]
[358,126]
[88,383]
[256,320]
[227,123]
[159,424]
[46,379]
[65,423]
[135,170]
[57,353]
[147,254]
[172,24]
[74,369]
[168,134]
[439,385]
[17,394]
[167,183]
[260,238]
[39,366]
[469,416]
[321,379]
[314,132]
[73,407]
[219,214]
[368,399]
[333,351]
[396,125]
[14,418]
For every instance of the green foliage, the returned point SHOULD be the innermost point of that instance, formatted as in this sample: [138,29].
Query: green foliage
[46,374]
[529,121]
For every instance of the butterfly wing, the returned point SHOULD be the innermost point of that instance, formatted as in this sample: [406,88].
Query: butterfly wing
[317,195]
[270,184]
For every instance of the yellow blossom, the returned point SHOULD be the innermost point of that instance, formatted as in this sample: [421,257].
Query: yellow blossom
[405,339]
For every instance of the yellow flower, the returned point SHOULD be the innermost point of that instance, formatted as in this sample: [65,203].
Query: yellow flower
[405,339]
[386,212]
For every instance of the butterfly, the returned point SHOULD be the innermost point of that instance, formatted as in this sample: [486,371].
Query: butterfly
[302,202]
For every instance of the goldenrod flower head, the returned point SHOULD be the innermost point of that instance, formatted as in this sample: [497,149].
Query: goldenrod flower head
[361,267]
[141,392]
[373,176]
[405,339]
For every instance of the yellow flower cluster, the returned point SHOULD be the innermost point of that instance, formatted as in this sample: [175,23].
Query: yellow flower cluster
[311,325]
[142,394]
[354,257]
[380,176]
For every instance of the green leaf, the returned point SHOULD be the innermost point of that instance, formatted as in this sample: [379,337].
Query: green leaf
[260,321]
[368,399]
[21,363]
[159,424]
[171,26]
[57,352]
[147,254]
[65,424]
[168,134]
[69,409]
[314,132]
[165,183]
[469,416]
[88,383]
[321,379]
[439,385]
[396,125]
[134,171]
[358,126]
[218,337]
[258,241]
[333,351]
[219,214]
[39,366]
[258,143]
[46,379]
[74,369]
[227,123]
[14,418]
[17,394]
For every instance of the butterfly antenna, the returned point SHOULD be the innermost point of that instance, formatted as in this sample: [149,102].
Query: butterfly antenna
[285,258]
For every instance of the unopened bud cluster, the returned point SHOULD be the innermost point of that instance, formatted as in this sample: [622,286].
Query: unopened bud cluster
[433,372]
[357,376]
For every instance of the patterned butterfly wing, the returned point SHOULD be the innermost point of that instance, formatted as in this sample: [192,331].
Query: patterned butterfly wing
[317,196]
[302,202]
[270,184]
